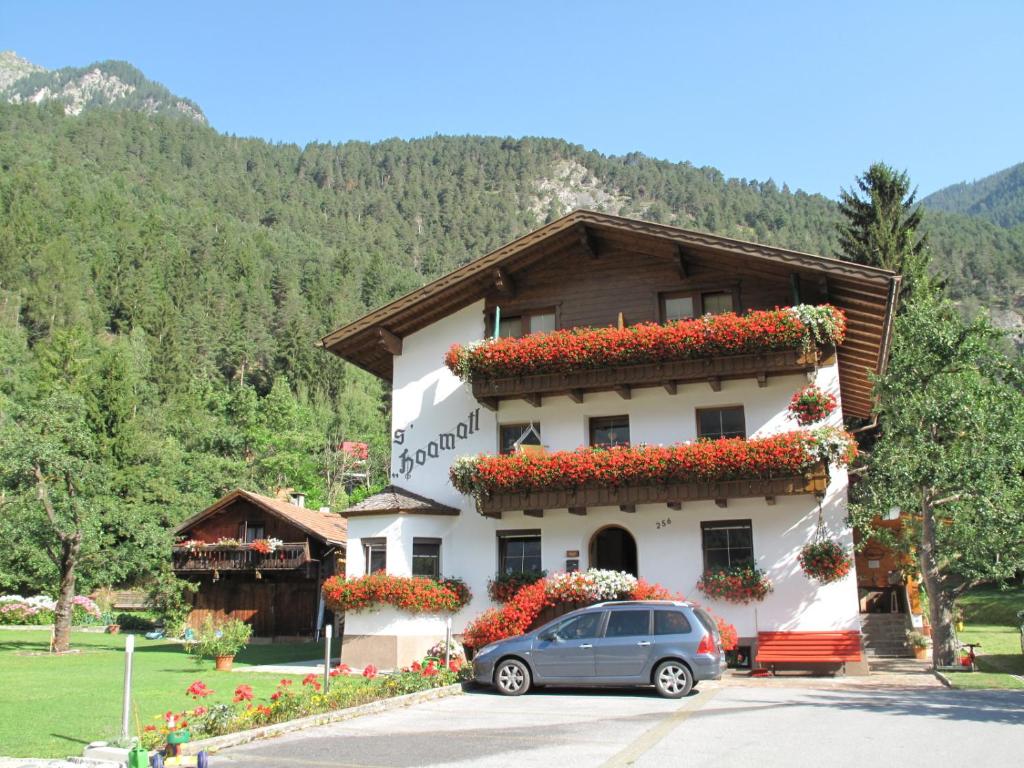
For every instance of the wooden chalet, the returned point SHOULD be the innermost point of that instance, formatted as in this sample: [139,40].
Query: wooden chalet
[278,592]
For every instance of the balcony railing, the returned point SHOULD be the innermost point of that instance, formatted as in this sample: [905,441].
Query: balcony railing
[674,495]
[241,557]
[623,379]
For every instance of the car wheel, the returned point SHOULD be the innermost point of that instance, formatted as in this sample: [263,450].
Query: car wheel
[672,679]
[512,678]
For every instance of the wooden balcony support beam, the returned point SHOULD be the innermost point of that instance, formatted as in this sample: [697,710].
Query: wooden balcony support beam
[576,395]
[670,387]
[490,403]
[762,379]
[682,263]
[628,508]
[723,503]
[624,391]
[676,505]
[533,512]
[587,243]
[715,382]
[577,510]
[769,500]
[533,398]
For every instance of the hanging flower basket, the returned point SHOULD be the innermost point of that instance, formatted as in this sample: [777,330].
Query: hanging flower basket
[745,583]
[825,560]
[811,405]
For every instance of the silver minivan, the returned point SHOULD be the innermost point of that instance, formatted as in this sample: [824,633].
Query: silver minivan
[668,644]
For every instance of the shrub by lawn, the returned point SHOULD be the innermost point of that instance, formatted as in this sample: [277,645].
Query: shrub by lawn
[53,706]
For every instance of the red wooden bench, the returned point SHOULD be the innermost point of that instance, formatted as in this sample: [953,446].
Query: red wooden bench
[808,649]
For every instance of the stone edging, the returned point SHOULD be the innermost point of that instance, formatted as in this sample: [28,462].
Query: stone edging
[943,679]
[268,731]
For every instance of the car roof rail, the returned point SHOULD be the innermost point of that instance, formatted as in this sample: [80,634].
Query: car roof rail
[613,603]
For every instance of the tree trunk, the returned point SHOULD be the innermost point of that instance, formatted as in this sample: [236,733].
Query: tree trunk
[63,612]
[940,603]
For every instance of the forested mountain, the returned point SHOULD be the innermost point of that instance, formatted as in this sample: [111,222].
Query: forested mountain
[106,84]
[998,198]
[172,281]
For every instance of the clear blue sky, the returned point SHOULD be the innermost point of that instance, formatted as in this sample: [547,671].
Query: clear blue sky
[804,93]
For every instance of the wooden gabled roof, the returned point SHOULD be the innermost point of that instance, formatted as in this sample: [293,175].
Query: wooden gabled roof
[328,527]
[867,294]
[397,500]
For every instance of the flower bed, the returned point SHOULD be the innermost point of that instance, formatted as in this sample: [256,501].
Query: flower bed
[743,584]
[37,610]
[503,587]
[788,453]
[576,349]
[811,405]
[577,588]
[288,701]
[825,560]
[413,594]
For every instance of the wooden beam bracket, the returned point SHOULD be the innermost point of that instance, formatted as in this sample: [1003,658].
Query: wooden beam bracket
[533,512]
[503,284]
[723,503]
[577,510]
[684,266]
[670,387]
[624,391]
[630,508]
[586,241]
[676,505]
[762,379]
[490,403]
[769,500]
[533,398]
[576,395]
[715,382]
[389,341]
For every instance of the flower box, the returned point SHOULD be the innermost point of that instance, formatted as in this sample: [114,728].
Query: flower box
[784,464]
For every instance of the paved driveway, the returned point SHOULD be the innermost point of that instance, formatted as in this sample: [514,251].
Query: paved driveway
[717,726]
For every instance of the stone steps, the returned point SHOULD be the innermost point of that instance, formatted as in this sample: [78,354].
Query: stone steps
[885,634]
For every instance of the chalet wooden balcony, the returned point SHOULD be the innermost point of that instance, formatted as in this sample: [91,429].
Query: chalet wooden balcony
[242,557]
[623,379]
[674,495]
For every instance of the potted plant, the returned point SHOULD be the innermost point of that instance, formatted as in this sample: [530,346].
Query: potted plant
[919,644]
[825,560]
[220,641]
[811,404]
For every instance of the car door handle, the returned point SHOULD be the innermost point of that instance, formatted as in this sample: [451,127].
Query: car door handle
[644,643]
[587,645]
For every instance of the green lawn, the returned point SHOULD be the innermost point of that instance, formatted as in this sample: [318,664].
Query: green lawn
[991,619]
[52,706]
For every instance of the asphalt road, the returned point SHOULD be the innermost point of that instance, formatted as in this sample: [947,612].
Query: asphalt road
[716,726]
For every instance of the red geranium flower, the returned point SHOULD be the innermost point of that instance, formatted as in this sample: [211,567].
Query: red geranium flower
[243,693]
[198,690]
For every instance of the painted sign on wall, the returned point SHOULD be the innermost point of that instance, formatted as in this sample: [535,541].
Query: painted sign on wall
[408,460]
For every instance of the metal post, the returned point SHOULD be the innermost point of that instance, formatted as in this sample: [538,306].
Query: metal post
[328,631]
[447,641]
[129,652]
[497,322]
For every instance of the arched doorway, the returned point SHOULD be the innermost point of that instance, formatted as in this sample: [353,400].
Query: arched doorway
[614,549]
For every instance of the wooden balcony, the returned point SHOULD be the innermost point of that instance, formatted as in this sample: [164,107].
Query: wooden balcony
[217,557]
[712,370]
[626,498]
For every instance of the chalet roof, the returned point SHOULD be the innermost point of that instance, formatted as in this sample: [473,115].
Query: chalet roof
[396,500]
[867,294]
[328,527]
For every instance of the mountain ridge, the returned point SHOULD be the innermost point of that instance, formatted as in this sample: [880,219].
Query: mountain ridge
[998,197]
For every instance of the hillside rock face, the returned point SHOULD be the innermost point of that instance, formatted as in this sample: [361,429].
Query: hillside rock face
[112,84]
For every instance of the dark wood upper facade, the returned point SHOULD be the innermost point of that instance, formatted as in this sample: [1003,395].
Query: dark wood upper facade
[593,269]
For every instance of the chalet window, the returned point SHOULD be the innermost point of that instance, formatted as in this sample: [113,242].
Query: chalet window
[714,423]
[426,558]
[727,543]
[609,431]
[252,531]
[537,321]
[375,553]
[511,434]
[682,305]
[519,551]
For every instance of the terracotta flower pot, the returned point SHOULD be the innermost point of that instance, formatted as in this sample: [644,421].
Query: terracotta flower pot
[113,629]
[223,663]
[921,654]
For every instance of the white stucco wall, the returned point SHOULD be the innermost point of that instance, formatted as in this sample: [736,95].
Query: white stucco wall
[429,401]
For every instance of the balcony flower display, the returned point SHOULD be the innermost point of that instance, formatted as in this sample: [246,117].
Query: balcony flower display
[743,583]
[192,546]
[413,594]
[266,546]
[825,560]
[811,405]
[787,453]
[575,349]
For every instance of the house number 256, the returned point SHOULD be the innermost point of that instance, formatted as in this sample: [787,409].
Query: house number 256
[663,523]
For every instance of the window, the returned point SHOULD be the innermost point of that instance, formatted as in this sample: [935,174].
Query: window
[538,321]
[375,552]
[713,423]
[670,623]
[682,305]
[628,624]
[510,434]
[727,543]
[519,552]
[426,558]
[253,531]
[608,431]
[716,302]
[580,627]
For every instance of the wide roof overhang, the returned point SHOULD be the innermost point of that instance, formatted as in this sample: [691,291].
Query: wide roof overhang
[867,294]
